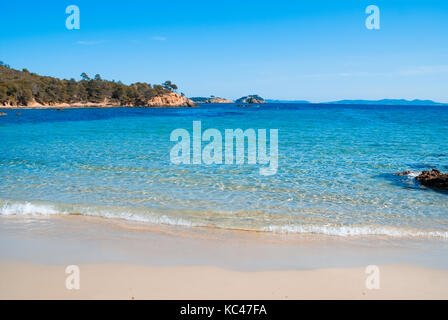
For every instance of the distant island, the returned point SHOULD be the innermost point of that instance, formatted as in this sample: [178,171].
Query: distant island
[26,89]
[212,99]
[251,99]
[395,102]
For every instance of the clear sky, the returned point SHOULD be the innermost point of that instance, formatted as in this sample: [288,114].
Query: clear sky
[283,49]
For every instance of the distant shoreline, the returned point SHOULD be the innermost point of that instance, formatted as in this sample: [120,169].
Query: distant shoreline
[108,106]
[385,102]
[94,106]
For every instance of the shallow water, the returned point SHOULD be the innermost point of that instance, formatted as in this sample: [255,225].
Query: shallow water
[335,173]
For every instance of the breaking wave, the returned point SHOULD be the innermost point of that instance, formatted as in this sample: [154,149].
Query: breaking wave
[8,208]
[346,231]
[32,209]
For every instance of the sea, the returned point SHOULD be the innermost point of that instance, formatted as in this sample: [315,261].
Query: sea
[335,176]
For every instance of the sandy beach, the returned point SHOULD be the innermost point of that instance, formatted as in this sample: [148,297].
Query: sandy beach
[126,281]
[122,260]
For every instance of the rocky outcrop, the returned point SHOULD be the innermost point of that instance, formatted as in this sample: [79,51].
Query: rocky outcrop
[103,104]
[33,104]
[431,179]
[219,100]
[170,100]
[166,100]
[211,100]
[252,99]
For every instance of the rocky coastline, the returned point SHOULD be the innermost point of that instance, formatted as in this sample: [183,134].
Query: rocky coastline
[166,100]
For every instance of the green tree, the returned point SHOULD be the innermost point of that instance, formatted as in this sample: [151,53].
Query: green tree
[21,87]
[84,76]
[168,85]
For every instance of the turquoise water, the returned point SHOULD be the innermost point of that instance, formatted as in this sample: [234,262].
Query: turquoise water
[335,168]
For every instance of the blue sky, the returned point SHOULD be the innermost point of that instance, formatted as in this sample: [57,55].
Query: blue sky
[284,49]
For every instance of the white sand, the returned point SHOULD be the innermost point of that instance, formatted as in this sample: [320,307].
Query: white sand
[125,281]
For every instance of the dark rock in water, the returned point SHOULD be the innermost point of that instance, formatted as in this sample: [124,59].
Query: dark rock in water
[433,179]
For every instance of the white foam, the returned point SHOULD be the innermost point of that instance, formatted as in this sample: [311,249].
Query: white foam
[147,217]
[27,208]
[346,231]
[33,209]
[414,174]
[38,209]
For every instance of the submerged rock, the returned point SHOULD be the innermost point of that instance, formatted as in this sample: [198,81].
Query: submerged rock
[433,179]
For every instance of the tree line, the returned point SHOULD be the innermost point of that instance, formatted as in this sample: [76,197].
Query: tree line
[19,88]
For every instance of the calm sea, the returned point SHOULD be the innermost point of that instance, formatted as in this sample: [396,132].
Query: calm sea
[335,168]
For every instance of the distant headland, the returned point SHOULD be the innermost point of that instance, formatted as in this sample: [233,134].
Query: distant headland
[26,89]
[395,102]
[256,99]
[211,99]
[250,99]
[391,102]
[30,90]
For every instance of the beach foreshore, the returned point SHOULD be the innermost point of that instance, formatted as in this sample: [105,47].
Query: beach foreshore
[130,260]
[20,280]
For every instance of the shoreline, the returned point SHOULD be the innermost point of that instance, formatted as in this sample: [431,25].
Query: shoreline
[273,232]
[285,226]
[90,240]
[198,104]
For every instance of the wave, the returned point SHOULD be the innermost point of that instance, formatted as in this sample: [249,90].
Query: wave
[413,174]
[34,209]
[346,231]
[8,208]
[27,208]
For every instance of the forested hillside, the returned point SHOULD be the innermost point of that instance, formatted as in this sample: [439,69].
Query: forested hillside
[20,88]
